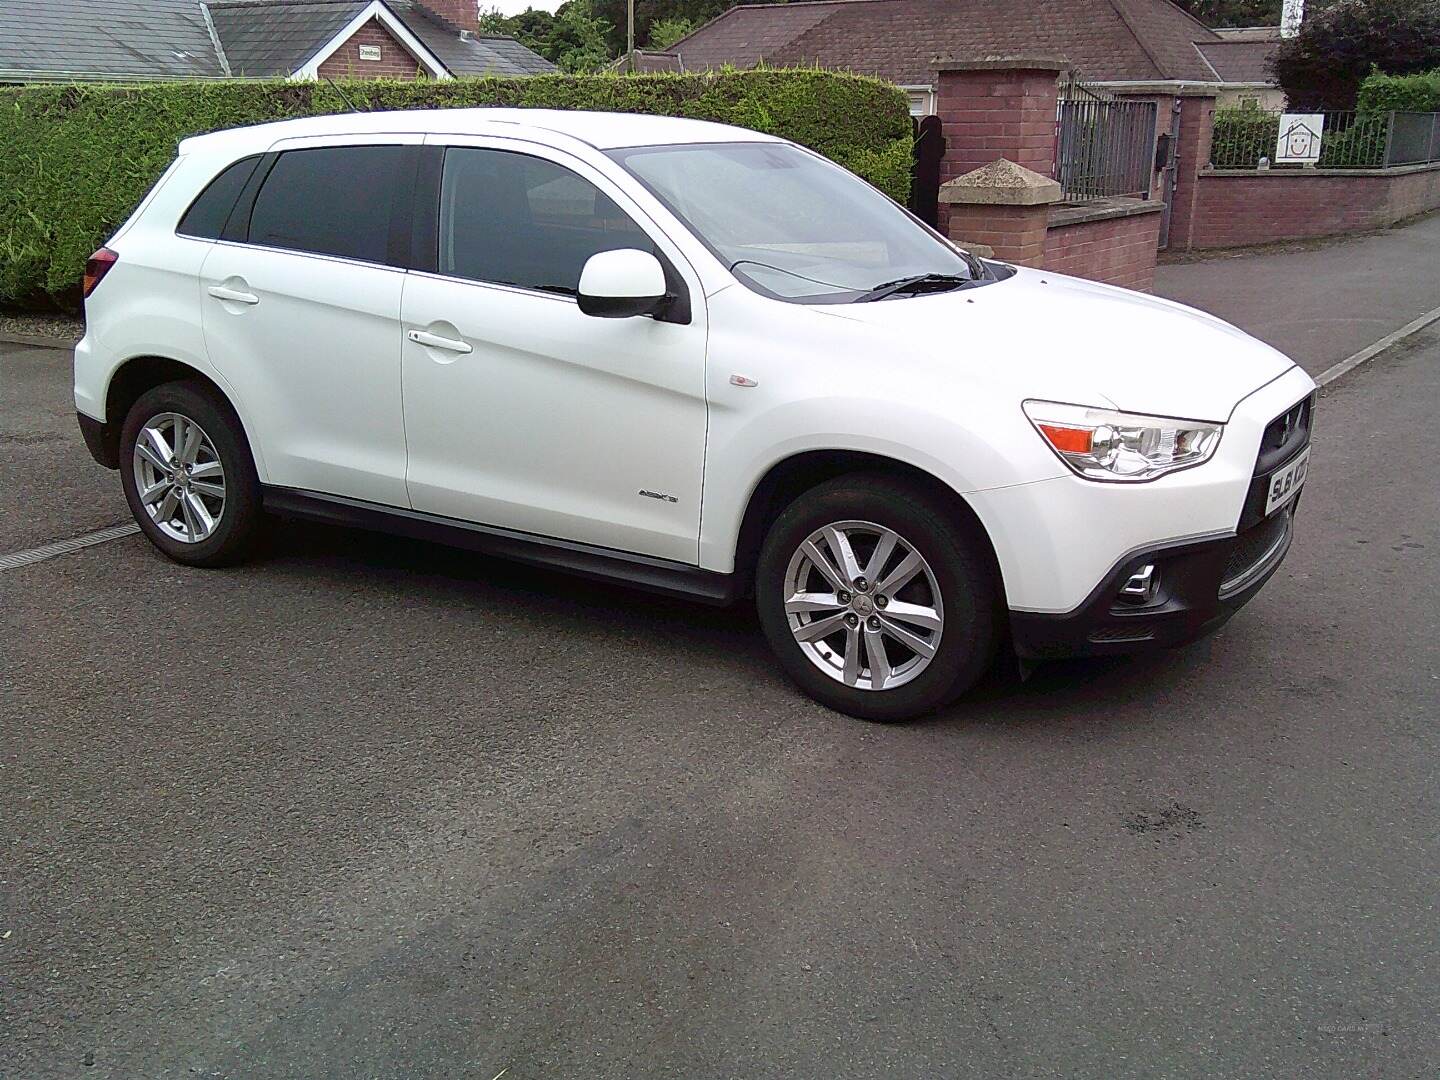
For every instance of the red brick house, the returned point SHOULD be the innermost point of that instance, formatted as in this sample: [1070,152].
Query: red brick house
[147,40]
[1118,42]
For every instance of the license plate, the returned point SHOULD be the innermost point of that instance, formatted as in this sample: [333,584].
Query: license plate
[1285,484]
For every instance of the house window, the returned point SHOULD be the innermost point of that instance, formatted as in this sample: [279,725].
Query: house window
[921,100]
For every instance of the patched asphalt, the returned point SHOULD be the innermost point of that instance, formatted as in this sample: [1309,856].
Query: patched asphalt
[374,808]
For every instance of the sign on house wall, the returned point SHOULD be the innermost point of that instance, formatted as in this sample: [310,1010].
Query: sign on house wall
[1299,139]
[369,52]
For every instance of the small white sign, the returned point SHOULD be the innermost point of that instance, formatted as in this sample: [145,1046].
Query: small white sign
[1299,140]
[369,52]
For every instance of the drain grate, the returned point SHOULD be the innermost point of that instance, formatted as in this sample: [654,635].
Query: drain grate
[17,559]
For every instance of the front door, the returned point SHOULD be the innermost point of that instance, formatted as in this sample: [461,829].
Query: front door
[521,411]
[302,318]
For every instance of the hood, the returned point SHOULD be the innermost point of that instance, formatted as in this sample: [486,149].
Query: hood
[1079,341]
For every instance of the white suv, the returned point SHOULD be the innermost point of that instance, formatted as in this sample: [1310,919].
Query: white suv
[690,357]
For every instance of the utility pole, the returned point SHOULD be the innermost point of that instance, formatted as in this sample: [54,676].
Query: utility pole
[630,35]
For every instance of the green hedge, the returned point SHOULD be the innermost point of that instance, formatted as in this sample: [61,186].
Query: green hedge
[1401,93]
[78,158]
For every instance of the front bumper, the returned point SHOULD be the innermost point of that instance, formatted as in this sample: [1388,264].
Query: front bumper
[1201,582]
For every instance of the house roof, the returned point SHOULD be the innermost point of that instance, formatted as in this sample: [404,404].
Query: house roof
[157,39]
[116,39]
[1105,40]
[648,62]
[1243,61]
[277,37]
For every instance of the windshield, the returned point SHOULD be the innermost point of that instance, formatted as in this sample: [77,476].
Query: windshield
[792,225]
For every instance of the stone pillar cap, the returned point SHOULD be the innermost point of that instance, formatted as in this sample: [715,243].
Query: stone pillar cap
[1000,63]
[1001,183]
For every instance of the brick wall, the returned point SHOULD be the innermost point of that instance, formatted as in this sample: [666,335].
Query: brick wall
[394,63]
[1118,251]
[1232,209]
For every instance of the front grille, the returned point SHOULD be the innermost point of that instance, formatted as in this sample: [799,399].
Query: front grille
[1285,435]
[1111,634]
[1256,549]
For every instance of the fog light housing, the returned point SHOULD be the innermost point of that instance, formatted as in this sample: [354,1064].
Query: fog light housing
[1142,585]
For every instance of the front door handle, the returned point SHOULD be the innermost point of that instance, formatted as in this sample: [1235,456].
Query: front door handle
[233,296]
[435,341]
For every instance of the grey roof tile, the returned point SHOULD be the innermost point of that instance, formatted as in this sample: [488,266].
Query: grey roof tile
[264,38]
[113,39]
[898,39]
[149,39]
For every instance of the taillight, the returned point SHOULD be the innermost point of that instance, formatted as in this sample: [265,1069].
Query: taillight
[96,267]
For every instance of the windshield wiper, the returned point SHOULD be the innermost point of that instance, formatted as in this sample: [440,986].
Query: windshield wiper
[914,283]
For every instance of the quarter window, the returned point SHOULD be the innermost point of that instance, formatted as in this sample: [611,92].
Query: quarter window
[336,200]
[513,219]
[207,214]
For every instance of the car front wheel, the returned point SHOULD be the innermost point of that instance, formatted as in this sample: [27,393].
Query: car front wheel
[877,600]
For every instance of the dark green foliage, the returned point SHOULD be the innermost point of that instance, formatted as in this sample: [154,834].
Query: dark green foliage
[78,158]
[573,38]
[1243,136]
[1403,93]
[1323,66]
[1234,12]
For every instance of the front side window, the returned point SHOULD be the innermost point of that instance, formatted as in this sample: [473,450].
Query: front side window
[512,219]
[335,200]
[792,225]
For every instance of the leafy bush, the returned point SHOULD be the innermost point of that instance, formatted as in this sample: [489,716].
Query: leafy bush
[1401,93]
[78,158]
[1323,66]
[1242,137]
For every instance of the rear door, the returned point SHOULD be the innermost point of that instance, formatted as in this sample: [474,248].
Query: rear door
[301,304]
[520,410]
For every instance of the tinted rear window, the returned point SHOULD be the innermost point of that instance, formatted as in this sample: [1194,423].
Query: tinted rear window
[208,213]
[331,201]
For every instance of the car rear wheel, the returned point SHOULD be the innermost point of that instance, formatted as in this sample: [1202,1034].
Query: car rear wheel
[188,475]
[877,600]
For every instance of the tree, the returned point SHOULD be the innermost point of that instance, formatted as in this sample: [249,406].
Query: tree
[574,38]
[665,32]
[1322,66]
[1234,12]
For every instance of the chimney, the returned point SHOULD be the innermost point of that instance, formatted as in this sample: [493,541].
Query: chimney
[460,14]
[1292,14]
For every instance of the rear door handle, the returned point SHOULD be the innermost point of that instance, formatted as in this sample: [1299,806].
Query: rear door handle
[435,341]
[233,296]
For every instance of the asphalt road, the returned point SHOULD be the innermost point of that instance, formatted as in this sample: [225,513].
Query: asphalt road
[1318,301]
[372,808]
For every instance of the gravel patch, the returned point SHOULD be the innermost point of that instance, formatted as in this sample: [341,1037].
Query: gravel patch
[65,327]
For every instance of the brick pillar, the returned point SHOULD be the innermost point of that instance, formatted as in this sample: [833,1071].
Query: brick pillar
[1192,154]
[1002,107]
[1001,209]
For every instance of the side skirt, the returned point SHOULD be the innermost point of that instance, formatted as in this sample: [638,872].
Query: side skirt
[640,571]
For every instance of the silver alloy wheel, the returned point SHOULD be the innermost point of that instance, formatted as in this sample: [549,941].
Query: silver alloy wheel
[864,605]
[179,478]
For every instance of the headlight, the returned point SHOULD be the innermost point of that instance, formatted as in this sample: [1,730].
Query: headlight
[1103,445]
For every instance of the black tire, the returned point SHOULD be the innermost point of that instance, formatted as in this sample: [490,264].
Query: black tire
[961,567]
[238,525]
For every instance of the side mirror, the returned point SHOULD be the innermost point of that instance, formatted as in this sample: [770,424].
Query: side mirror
[622,284]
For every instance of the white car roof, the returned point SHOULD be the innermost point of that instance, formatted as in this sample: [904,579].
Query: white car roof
[602,130]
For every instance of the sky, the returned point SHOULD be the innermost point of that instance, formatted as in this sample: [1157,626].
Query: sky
[514,7]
